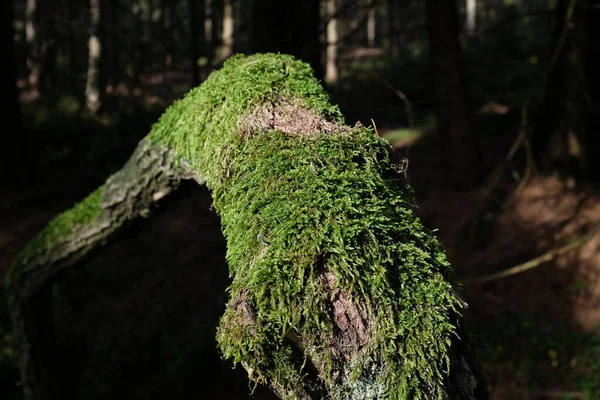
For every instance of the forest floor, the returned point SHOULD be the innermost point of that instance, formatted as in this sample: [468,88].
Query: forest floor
[538,331]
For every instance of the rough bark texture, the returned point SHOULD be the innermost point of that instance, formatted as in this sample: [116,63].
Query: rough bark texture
[337,291]
[149,175]
[454,124]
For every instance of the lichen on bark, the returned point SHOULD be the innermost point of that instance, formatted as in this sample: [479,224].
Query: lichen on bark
[338,290]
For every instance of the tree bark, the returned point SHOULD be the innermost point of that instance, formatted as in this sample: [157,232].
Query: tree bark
[461,153]
[564,138]
[114,37]
[331,63]
[227,32]
[392,39]
[338,291]
[34,56]
[12,160]
[95,86]
[371,21]
[72,16]
[150,174]
[290,27]
[471,17]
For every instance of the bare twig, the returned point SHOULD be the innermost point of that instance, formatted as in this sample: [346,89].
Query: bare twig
[409,108]
[496,174]
[529,163]
[375,127]
[538,261]
[560,394]
[563,35]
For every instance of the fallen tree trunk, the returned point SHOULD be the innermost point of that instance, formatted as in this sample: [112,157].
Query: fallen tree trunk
[338,290]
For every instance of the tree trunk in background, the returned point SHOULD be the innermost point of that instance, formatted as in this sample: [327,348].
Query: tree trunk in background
[391,42]
[12,150]
[135,64]
[331,65]
[71,15]
[164,32]
[461,153]
[565,137]
[592,65]
[290,27]
[170,16]
[216,20]
[471,16]
[244,26]
[114,37]
[34,61]
[48,33]
[95,86]
[195,30]
[226,48]
[371,28]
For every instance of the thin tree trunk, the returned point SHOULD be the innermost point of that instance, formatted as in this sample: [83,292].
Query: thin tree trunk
[164,32]
[12,151]
[71,15]
[114,38]
[331,65]
[95,85]
[392,40]
[226,48]
[48,47]
[461,153]
[335,293]
[216,17]
[471,17]
[565,137]
[276,26]
[195,29]
[371,28]
[34,56]
[136,60]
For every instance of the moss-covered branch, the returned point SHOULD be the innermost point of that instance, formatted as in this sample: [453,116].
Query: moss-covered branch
[338,290]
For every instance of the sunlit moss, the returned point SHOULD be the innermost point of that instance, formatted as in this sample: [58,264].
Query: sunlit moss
[320,196]
[63,225]
[202,127]
[322,202]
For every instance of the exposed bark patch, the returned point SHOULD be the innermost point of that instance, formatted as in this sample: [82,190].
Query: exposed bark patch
[354,330]
[244,312]
[287,117]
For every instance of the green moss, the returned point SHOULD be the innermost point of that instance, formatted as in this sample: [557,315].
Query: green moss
[324,202]
[316,197]
[335,198]
[63,225]
[202,127]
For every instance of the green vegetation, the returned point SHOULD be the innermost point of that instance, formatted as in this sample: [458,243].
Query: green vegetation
[338,219]
[83,213]
[339,200]
[314,196]
[530,345]
[208,117]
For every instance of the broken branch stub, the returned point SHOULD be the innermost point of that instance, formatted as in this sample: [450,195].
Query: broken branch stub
[338,290]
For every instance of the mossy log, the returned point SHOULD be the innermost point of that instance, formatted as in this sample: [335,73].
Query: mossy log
[338,291]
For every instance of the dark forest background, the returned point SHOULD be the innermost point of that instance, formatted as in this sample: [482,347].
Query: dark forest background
[495,104]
